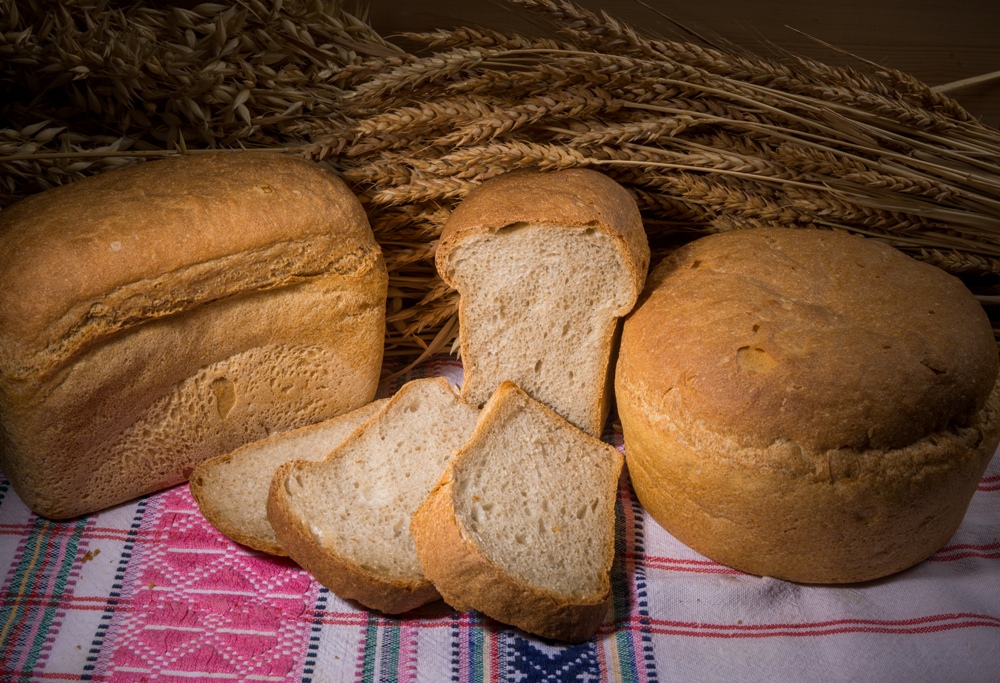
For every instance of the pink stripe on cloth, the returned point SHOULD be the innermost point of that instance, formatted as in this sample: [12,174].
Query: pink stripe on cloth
[204,607]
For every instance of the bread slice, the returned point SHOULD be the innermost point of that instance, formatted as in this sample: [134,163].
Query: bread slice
[231,489]
[347,519]
[545,264]
[521,525]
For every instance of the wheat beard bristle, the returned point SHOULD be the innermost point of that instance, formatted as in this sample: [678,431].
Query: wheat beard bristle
[706,138]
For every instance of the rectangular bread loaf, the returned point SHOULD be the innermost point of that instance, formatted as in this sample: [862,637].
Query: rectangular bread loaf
[155,316]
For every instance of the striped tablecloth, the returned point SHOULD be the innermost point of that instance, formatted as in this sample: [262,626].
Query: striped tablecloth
[148,591]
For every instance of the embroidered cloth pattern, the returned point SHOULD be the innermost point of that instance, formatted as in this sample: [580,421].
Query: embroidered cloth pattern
[149,591]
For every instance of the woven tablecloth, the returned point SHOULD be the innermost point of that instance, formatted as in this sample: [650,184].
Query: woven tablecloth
[148,591]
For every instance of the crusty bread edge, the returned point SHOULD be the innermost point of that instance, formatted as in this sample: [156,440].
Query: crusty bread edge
[338,573]
[682,506]
[495,204]
[342,576]
[468,579]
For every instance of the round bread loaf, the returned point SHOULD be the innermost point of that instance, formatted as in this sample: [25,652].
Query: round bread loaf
[807,404]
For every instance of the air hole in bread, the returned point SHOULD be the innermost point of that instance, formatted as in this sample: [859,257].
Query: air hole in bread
[225,395]
[538,366]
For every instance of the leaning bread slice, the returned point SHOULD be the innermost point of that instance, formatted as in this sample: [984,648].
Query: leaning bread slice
[347,519]
[521,524]
[545,264]
[231,489]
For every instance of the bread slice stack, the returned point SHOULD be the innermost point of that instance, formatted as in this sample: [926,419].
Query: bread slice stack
[347,519]
[231,489]
[510,511]
[521,524]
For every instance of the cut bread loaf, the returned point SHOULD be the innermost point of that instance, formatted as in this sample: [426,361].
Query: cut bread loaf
[521,525]
[545,264]
[231,489]
[347,519]
[159,315]
[807,404]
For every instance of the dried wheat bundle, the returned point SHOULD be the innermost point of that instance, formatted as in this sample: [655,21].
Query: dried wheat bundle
[91,85]
[706,139]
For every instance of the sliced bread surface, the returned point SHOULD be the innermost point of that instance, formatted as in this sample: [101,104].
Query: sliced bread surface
[521,524]
[545,264]
[346,519]
[231,489]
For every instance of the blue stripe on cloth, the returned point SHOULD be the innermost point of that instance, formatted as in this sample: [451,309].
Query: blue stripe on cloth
[646,657]
[309,668]
[456,648]
[621,590]
[131,537]
[388,661]
[534,661]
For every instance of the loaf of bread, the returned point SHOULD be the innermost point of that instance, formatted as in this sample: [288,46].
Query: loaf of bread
[545,264]
[521,525]
[346,519]
[231,489]
[806,404]
[155,316]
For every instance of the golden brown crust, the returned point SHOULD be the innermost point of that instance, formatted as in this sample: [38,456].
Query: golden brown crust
[103,399]
[467,578]
[792,406]
[160,238]
[342,576]
[838,516]
[574,197]
[820,337]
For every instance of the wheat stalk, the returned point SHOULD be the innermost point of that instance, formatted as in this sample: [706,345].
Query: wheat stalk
[706,139]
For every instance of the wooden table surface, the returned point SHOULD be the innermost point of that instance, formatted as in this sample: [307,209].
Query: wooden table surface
[936,41]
